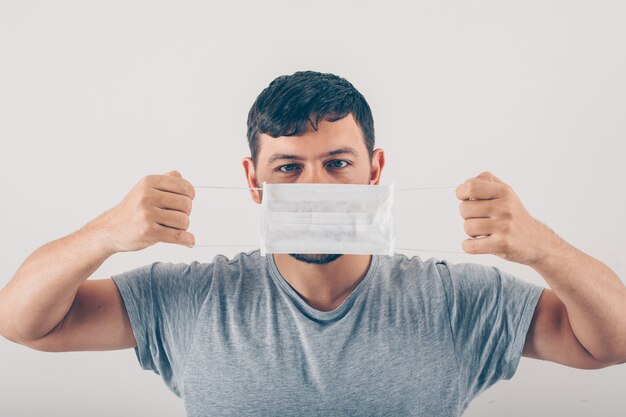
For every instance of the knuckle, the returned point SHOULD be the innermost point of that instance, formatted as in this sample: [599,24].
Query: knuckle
[471,186]
[144,217]
[145,199]
[184,221]
[468,247]
[459,193]
[146,230]
[506,208]
[191,191]
[502,244]
[147,180]
[462,209]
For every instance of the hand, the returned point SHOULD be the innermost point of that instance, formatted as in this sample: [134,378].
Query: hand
[498,223]
[156,209]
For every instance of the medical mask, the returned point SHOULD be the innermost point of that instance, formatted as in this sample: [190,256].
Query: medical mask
[327,219]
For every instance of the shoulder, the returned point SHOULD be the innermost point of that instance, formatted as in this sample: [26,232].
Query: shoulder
[468,276]
[436,275]
[410,272]
[471,285]
[400,267]
[197,274]
[411,265]
[219,264]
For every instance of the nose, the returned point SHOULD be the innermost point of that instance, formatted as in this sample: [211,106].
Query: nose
[314,174]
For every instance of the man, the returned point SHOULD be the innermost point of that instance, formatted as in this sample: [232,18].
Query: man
[319,334]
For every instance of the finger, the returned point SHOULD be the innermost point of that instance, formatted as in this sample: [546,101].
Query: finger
[172,201]
[470,209]
[174,173]
[172,218]
[173,184]
[479,227]
[177,236]
[481,245]
[489,177]
[479,189]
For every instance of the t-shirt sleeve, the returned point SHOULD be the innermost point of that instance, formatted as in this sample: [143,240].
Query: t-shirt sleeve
[490,313]
[163,301]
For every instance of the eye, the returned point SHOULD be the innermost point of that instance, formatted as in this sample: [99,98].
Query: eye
[338,163]
[287,168]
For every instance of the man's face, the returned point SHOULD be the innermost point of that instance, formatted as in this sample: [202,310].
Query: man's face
[335,153]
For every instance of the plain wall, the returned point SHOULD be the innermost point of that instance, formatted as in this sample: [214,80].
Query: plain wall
[95,95]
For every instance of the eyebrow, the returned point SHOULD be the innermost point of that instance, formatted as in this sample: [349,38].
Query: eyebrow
[282,156]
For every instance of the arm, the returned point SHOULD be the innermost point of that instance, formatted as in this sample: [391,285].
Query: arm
[589,301]
[48,304]
[581,320]
[40,294]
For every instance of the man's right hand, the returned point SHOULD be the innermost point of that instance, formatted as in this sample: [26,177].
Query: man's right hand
[156,210]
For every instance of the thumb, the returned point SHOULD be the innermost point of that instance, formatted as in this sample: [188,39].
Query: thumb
[486,175]
[174,174]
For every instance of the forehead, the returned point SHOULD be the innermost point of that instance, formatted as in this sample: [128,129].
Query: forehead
[342,133]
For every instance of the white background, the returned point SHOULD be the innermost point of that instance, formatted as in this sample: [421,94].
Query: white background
[95,95]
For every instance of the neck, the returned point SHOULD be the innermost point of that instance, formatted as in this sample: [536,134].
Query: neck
[324,287]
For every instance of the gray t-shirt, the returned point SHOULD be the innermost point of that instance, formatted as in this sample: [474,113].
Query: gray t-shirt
[415,338]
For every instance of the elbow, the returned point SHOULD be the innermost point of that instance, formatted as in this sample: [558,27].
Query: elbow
[614,362]
[9,338]
[13,334]
[610,359]
[29,342]
[603,358]
[14,337]
[5,332]
[7,323]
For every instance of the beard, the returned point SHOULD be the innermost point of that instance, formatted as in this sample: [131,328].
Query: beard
[316,258]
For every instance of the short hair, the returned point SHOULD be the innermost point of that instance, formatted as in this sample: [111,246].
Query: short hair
[288,104]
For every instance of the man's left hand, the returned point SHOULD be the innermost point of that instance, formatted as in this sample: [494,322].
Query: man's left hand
[498,223]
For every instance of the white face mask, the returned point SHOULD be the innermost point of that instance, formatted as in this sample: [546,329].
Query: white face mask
[327,219]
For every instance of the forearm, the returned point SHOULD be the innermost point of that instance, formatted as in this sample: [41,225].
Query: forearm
[593,294]
[42,290]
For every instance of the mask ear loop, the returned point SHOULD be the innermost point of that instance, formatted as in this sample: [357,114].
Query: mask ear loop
[256,245]
[226,188]
[402,249]
[254,188]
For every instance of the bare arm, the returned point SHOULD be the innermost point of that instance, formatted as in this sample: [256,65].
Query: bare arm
[591,303]
[49,306]
[36,300]
[97,320]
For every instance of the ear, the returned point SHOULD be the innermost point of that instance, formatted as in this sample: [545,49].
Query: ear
[378,162]
[248,167]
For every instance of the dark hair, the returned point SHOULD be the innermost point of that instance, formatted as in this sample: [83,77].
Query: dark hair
[286,106]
